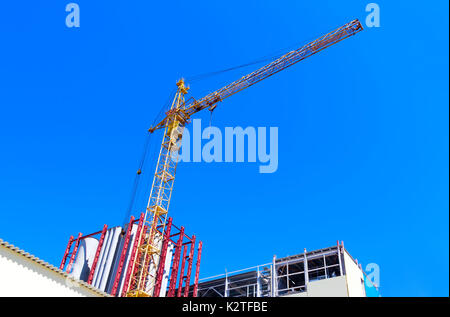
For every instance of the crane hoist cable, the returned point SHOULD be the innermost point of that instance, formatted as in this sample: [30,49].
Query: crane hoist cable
[275,55]
[137,180]
[144,155]
[165,106]
[210,74]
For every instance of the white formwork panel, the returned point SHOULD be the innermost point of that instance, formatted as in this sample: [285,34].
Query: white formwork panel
[108,252]
[100,261]
[167,265]
[117,260]
[85,258]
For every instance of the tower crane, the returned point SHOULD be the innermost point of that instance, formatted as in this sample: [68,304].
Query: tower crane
[140,279]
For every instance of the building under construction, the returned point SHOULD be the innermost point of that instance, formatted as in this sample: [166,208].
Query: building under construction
[152,257]
[328,272]
[104,259]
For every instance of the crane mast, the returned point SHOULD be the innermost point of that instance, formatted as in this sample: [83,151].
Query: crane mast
[143,270]
[141,274]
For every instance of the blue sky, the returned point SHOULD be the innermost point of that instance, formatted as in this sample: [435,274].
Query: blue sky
[363,129]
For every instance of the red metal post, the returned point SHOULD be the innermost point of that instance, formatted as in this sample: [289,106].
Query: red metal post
[138,258]
[132,256]
[122,257]
[176,263]
[74,252]
[97,254]
[69,245]
[197,269]
[162,259]
[189,270]
[183,264]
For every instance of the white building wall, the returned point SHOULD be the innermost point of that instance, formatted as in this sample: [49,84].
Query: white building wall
[355,278]
[331,287]
[22,274]
[350,284]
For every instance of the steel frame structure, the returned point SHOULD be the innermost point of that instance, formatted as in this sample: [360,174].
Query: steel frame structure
[280,277]
[181,241]
[97,254]
[72,254]
[197,269]
[179,283]
[134,250]
[177,277]
[123,256]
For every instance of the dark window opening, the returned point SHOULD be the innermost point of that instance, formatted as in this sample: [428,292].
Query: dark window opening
[317,275]
[282,282]
[296,267]
[238,292]
[333,271]
[315,263]
[331,260]
[282,270]
[296,280]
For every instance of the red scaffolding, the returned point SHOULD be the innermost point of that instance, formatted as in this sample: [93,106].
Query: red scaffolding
[181,261]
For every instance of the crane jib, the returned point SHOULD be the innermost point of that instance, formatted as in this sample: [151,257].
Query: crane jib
[279,64]
[266,71]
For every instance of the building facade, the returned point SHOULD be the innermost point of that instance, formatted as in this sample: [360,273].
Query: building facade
[328,272]
[22,274]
